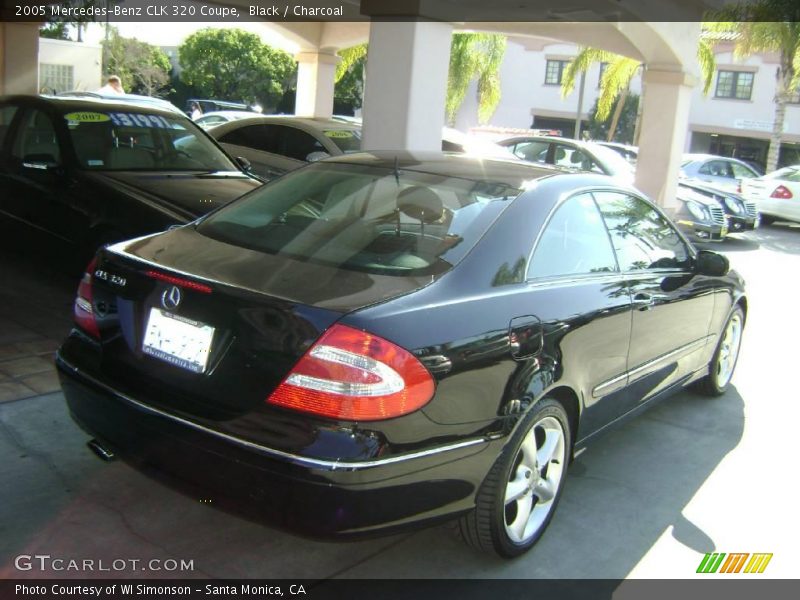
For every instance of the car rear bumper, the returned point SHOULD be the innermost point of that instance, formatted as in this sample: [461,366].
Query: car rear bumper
[319,498]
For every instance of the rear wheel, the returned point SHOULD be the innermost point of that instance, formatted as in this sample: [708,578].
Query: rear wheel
[723,363]
[767,219]
[520,494]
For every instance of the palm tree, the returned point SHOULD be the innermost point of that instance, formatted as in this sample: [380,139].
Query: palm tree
[472,56]
[767,26]
[475,56]
[616,80]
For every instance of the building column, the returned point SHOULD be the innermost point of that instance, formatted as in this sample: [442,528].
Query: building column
[19,53]
[316,72]
[665,120]
[406,86]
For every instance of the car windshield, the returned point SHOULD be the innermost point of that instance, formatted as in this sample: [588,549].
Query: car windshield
[377,220]
[348,140]
[138,141]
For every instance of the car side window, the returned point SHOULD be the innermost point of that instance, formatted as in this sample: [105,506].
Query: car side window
[298,144]
[258,137]
[36,138]
[740,171]
[717,168]
[532,151]
[574,242]
[642,237]
[6,117]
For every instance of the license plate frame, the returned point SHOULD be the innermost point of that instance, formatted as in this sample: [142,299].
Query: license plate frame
[176,340]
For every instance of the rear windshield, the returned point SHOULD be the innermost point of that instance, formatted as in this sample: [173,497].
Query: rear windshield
[377,220]
[136,141]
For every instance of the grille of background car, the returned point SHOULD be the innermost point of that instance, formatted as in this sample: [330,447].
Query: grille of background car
[752,211]
[717,215]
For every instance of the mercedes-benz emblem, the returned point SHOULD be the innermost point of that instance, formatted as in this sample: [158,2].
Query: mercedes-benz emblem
[171,297]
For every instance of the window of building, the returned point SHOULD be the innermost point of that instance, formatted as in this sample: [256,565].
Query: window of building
[56,78]
[734,84]
[555,71]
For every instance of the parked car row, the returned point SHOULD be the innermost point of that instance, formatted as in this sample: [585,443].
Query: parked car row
[371,342]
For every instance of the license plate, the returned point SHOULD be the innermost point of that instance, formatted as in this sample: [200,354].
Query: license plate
[177,340]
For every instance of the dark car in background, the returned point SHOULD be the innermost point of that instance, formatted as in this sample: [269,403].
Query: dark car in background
[383,340]
[699,215]
[742,214]
[277,144]
[89,171]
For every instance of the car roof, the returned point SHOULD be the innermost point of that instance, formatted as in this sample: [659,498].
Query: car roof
[310,122]
[454,164]
[229,113]
[695,157]
[77,103]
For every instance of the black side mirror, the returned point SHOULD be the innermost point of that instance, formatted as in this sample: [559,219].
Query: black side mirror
[42,162]
[712,264]
[244,164]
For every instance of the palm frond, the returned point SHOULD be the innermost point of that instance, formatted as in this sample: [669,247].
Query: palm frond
[350,56]
[617,77]
[582,62]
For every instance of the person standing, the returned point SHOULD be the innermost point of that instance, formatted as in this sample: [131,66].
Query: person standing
[197,112]
[113,86]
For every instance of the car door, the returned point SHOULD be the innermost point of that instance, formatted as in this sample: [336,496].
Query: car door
[35,179]
[672,307]
[262,145]
[583,303]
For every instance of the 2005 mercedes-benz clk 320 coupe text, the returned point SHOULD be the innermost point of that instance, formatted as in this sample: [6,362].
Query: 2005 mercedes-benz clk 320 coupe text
[376,341]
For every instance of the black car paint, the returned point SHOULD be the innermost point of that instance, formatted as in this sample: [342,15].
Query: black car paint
[329,478]
[85,207]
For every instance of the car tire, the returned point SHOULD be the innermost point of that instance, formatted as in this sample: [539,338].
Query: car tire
[767,219]
[511,512]
[726,355]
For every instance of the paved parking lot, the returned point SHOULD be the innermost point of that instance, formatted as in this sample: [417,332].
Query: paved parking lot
[691,476]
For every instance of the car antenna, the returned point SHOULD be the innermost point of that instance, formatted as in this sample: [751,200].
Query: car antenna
[396,171]
[397,208]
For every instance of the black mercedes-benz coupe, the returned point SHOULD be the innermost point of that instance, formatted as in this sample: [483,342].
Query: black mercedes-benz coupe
[377,341]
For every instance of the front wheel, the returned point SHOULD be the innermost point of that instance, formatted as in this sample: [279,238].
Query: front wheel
[723,363]
[520,493]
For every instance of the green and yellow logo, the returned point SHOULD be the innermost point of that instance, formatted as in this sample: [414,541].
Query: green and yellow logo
[719,562]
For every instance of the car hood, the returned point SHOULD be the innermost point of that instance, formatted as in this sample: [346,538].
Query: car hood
[191,193]
[695,193]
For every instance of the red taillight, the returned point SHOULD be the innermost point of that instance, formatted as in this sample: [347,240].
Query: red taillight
[84,307]
[355,376]
[180,282]
[781,192]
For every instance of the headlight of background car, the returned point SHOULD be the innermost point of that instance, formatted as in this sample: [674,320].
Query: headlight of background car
[698,211]
[733,205]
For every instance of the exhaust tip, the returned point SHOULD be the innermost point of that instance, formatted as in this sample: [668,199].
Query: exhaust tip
[102,451]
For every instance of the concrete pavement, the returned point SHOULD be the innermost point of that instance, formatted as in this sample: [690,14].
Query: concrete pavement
[691,476]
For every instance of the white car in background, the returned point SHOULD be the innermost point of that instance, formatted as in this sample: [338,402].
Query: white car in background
[777,194]
[574,155]
[218,117]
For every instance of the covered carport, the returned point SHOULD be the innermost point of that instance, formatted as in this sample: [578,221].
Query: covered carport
[408,64]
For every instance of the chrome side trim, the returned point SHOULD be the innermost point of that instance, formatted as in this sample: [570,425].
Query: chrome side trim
[632,374]
[330,465]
